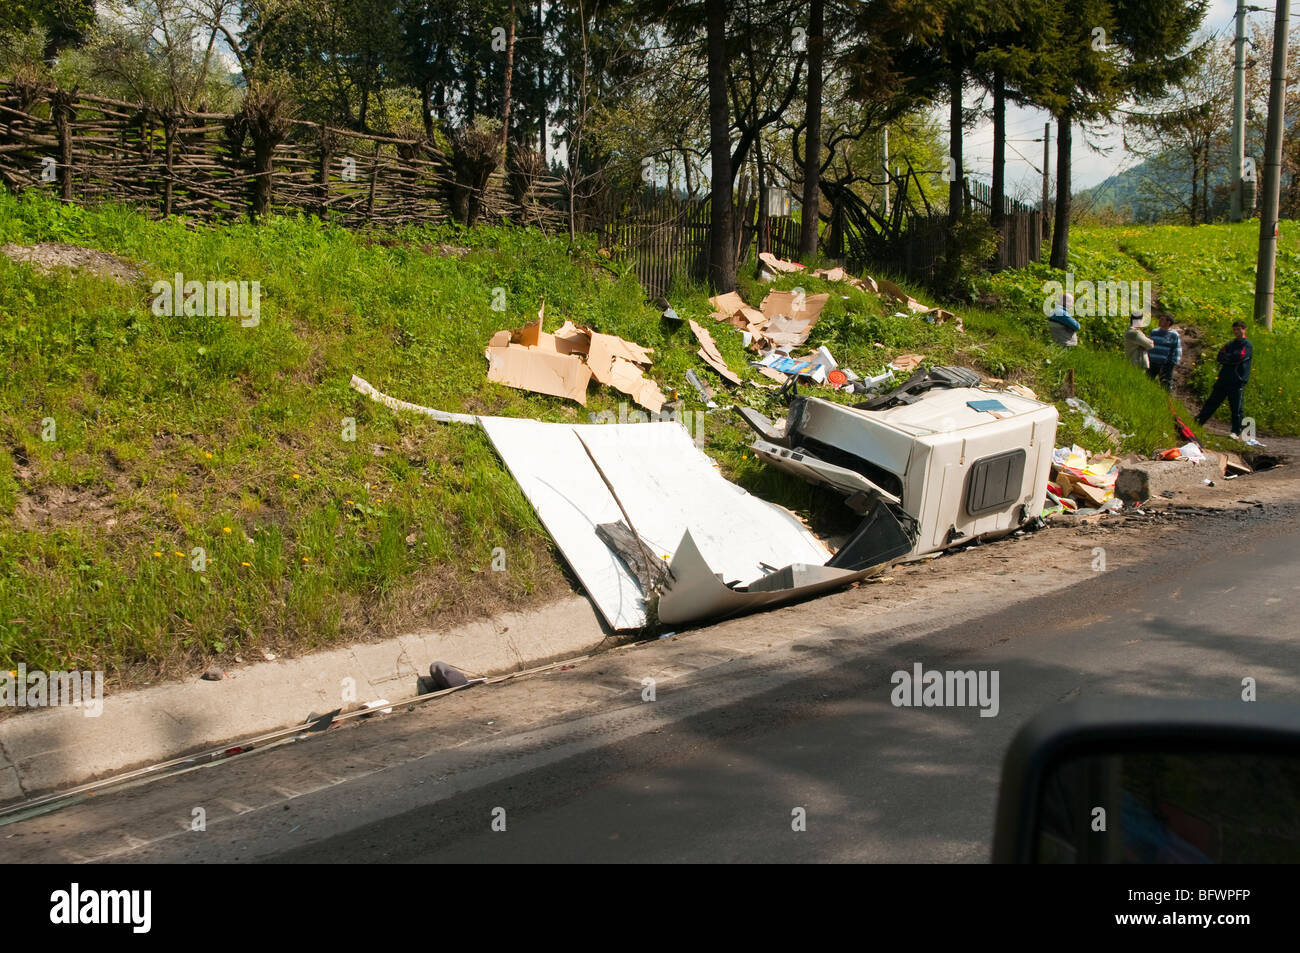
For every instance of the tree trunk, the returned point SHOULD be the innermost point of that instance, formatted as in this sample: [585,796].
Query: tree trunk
[426,107]
[764,224]
[998,199]
[956,190]
[541,82]
[813,144]
[510,71]
[1061,231]
[722,249]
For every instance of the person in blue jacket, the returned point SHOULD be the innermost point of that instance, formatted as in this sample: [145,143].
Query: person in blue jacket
[1166,351]
[1234,372]
[1065,330]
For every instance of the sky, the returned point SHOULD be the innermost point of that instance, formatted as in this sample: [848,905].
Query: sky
[1096,156]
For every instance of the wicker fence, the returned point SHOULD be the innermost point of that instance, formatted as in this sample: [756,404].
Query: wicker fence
[220,165]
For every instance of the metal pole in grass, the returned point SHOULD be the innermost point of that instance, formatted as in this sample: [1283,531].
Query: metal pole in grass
[1268,225]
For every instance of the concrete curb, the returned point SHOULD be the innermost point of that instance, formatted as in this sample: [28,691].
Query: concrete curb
[52,749]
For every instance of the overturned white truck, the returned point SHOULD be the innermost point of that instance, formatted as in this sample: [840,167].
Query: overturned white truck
[950,459]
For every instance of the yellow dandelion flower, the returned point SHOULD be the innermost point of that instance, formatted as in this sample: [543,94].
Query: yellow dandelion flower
[245,564]
[306,559]
[207,455]
[157,553]
[295,476]
[225,529]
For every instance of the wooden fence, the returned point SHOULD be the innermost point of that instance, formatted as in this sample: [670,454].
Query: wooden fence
[214,166]
[219,165]
[1022,226]
[666,239]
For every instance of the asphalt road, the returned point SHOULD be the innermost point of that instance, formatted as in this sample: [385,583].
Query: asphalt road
[748,726]
[715,767]
[880,783]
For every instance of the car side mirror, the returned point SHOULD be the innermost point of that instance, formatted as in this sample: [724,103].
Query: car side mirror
[1152,781]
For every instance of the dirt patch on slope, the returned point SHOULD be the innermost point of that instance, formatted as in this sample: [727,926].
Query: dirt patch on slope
[51,255]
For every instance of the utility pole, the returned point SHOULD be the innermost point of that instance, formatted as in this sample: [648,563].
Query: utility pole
[886,172]
[1268,224]
[1238,113]
[1047,160]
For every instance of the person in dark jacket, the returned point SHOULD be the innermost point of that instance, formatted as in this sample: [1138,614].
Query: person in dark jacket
[1234,371]
[1166,351]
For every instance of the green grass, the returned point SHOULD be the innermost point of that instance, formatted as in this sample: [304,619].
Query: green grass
[180,432]
[1205,277]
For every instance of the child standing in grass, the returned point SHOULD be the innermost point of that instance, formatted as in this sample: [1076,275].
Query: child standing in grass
[1165,353]
[1234,371]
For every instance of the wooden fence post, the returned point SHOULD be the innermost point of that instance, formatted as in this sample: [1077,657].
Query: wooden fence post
[323,171]
[170,125]
[61,110]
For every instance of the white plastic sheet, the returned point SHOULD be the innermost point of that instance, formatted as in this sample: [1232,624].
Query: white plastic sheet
[668,487]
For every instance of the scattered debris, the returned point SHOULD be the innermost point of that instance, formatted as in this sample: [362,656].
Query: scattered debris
[441,676]
[364,387]
[1095,423]
[791,316]
[710,354]
[530,359]
[213,674]
[779,264]
[563,363]
[906,363]
[701,388]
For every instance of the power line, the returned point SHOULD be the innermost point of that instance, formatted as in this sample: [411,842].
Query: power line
[1026,158]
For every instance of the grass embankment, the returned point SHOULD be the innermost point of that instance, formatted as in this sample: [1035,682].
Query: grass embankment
[173,433]
[1205,278]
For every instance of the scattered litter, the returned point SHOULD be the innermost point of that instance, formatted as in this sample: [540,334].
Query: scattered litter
[530,359]
[364,387]
[563,363]
[1236,466]
[701,388]
[621,364]
[905,363]
[1088,479]
[779,264]
[1093,422]
[383,705]
[710,354]
[441,676]
[791,316]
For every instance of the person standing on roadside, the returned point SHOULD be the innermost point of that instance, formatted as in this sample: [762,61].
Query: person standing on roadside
[1234,372]
[1137,344]
[1165,353]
